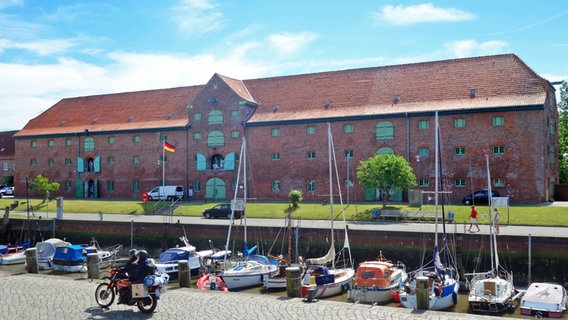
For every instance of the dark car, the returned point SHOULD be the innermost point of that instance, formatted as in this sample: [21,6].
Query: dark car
[222,210]
[479,197]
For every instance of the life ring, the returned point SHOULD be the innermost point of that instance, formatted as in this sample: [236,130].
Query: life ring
[454,297]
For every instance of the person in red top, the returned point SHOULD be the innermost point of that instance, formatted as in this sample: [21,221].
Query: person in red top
[473,219]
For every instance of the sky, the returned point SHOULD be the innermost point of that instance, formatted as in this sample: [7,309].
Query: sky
[56,49]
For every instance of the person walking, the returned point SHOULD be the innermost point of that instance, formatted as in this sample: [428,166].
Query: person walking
[473,219]
[496,216]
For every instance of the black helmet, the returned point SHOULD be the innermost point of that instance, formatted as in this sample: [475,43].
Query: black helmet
[132,252]
[142,254]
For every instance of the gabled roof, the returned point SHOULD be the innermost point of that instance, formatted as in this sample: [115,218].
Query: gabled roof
[499,81]
[7,144]
[152,109]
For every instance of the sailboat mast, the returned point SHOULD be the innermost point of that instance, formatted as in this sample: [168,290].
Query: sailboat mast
[492,240]
[437,151]
[234,203]
[330,184]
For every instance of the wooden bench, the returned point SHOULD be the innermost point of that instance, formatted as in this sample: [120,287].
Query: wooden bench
[389,214]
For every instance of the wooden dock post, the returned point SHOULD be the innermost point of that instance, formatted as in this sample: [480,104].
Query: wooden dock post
[93,265]
[184,274]
[293,281]
[31,260]
[422,293]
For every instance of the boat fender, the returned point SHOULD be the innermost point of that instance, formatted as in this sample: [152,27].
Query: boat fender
[344,287]
[454,297]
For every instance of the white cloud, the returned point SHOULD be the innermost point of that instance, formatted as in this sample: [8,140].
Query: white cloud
[197,17]
[40,47]
[465,48]
[407,15]
[290,43]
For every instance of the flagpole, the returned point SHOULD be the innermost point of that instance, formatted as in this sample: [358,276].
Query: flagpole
[164,163]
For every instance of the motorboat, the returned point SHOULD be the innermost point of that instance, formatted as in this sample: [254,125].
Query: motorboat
[544,300]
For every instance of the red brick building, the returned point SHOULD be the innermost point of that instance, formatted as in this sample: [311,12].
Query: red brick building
[111,146]
[7,156]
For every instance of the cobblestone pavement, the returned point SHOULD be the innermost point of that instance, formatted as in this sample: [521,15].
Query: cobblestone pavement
[42,296]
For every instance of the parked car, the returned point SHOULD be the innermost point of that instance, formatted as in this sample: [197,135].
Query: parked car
[6,191]
[479,197]
[222,210]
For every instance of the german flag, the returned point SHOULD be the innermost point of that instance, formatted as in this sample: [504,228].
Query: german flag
[169,147]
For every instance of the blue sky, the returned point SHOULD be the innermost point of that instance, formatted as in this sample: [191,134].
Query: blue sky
[50,50]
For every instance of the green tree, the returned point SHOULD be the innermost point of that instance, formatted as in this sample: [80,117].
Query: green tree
[563,133]
[295,197]
[44,186]
[386,172]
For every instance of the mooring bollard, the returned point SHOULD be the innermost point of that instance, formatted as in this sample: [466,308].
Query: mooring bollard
[93,265]
[31,260]
[184,275]
[422,293]
[293,282]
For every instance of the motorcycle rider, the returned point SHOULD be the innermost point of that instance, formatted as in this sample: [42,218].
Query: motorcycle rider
[130,265]
[136,273]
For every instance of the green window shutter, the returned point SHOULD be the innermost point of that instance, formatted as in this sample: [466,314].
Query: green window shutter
[98,164]
[201,162]
[80,164]
[230,161]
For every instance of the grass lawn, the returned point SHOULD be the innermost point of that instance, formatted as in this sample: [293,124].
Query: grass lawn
[517,215]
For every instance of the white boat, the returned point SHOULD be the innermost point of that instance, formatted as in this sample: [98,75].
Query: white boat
[14,254]
[324,276]
[544,300]
[168,261]
[491,291]
[248,270]
[73,258]
[441,272]
[46,250]
[377,281]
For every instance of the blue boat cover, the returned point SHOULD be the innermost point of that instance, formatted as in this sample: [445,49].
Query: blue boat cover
[173,255]
[72,253]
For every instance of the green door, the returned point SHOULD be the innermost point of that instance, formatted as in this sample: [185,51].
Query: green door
[215,189]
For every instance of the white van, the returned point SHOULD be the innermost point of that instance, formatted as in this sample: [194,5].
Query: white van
[166,193]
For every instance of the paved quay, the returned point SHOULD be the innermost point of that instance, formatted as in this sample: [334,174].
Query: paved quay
[47,296]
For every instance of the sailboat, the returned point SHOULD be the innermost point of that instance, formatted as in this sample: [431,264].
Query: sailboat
[278,281]
[249,270]
[440,274]
[321,280]
[491,291]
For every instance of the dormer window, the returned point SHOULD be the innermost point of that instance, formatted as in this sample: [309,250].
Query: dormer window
[472,93]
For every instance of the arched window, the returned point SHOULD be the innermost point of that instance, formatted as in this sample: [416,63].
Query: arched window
[384,130]
[215,139]
[215,117]
[385,150]
[89,144]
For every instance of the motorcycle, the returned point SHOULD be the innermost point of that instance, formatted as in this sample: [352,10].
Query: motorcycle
[144,295]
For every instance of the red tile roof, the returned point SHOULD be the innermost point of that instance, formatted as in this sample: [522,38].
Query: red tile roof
[500,81]
[7,144]
[163,108]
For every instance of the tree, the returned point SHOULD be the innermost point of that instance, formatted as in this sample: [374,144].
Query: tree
[295,197]
[563,133]
[43,184]
[386,172]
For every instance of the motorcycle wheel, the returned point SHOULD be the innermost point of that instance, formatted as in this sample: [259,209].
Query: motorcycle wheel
[148,304]
[104,295]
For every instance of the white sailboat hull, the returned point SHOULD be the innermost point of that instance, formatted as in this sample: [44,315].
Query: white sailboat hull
[247,274]
[490,294]
[447,299]
[341,283]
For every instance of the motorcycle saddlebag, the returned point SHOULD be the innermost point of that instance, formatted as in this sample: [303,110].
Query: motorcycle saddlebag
[139,290]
